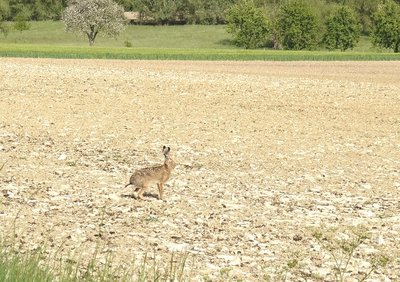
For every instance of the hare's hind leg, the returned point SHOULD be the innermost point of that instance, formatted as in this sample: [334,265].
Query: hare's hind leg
[160,190]
[135,192]
[141,191]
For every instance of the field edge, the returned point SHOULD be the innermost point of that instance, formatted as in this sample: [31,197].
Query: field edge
[66,52]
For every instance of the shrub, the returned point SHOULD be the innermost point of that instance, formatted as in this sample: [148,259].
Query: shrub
[342,29]
[4,11]
[21,21]
[127,43]
[248,24]
[386,32]
[296,26]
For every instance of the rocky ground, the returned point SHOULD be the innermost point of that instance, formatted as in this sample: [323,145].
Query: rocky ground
[268,155]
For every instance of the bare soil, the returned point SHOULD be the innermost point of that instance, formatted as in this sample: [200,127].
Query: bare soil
[266,153]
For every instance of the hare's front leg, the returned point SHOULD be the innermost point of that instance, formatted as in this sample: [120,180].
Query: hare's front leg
[160,190]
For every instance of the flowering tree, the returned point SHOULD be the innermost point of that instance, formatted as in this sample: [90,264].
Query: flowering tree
[91,17]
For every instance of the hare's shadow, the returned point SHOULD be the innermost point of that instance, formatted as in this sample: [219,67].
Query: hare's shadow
[132,196]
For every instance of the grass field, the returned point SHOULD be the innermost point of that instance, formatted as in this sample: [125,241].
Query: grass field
[187,36]
[188,42]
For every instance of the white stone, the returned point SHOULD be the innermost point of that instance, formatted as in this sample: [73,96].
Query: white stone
[62,157]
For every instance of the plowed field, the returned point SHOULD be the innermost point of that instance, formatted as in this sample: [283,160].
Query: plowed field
[267,153]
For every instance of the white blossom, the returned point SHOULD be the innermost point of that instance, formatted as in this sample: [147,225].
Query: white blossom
[91,17]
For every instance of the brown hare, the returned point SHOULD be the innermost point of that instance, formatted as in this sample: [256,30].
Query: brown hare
[159,174]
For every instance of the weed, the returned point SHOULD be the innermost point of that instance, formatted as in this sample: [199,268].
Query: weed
[293,266]
[37,265]
[342,249]
[224,272]
[127,44]
[71,163]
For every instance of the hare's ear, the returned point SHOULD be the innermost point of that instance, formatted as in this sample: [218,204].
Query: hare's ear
[163,149]
[166,151]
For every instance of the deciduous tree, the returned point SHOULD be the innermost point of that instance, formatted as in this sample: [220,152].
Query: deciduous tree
[248,24]
[93,17]
[296,25]
[47,10]
[386,32]
[342,29]
[21,20]
[4,10]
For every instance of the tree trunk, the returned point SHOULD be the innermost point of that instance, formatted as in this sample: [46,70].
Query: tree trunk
[397,46]
[91,40]
[92,35]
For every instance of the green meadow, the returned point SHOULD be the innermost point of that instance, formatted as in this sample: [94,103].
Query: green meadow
[185,42]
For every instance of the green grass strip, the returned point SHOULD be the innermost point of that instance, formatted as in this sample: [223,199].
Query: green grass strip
[73,52]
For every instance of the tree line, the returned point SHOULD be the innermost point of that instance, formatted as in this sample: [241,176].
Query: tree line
[35,10]
[160,11]
[181,11]
[300,24]
[281,24]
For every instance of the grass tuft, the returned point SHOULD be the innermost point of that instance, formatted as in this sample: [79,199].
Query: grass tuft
[37,266]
